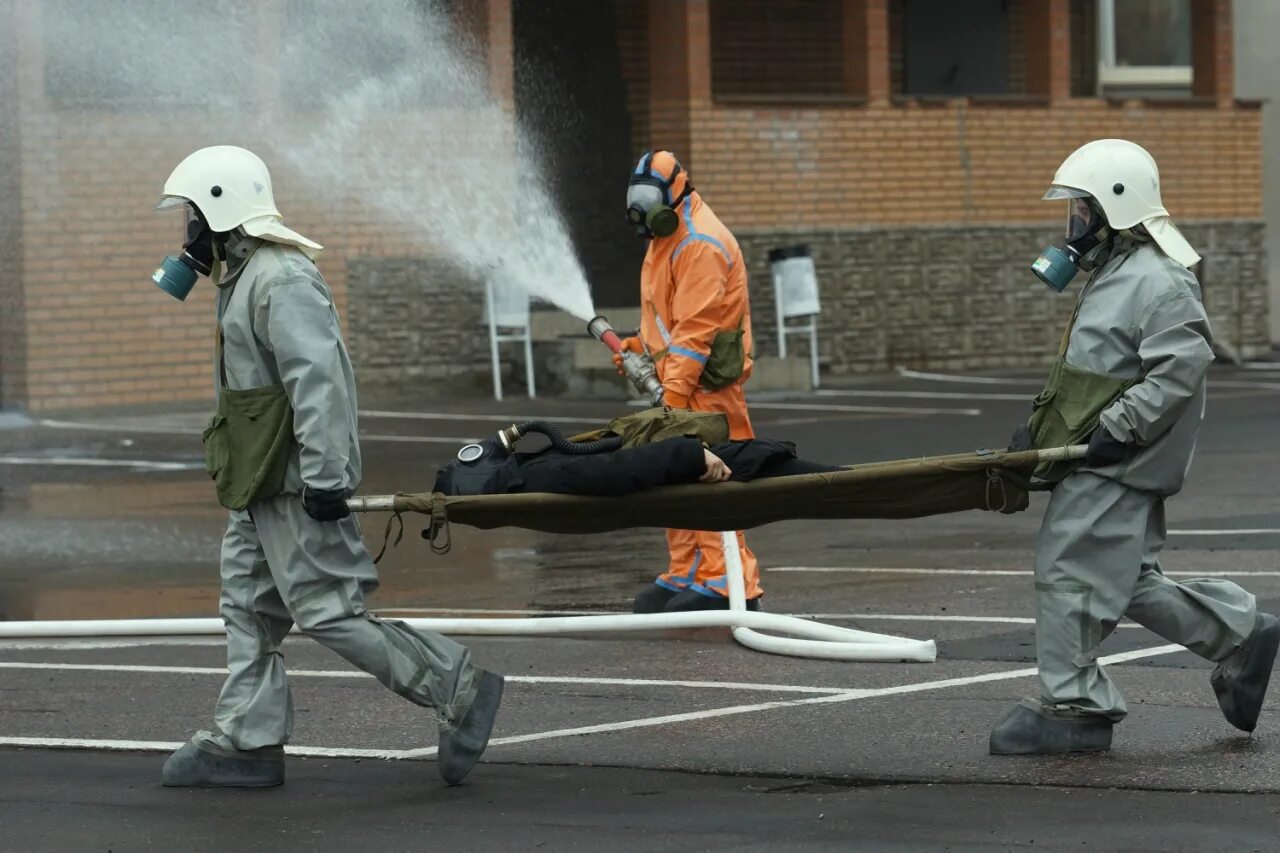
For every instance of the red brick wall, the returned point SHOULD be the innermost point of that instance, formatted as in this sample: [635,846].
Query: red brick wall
[959,162]
[761,47]
[98,332]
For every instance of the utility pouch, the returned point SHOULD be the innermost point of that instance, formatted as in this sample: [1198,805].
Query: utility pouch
[653,425]
[1067,411]
[726,360]
[247,444]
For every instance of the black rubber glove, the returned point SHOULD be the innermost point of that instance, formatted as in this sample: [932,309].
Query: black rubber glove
[1105,449]
[325,504]
[1021,439]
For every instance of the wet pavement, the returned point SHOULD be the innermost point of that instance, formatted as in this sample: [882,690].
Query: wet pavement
[681,740]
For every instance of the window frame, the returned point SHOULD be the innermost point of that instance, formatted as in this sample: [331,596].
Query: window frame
[1117,76]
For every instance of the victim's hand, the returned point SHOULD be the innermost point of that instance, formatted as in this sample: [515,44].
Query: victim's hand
[717,471]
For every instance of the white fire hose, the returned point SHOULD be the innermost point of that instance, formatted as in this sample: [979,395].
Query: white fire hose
[806,638]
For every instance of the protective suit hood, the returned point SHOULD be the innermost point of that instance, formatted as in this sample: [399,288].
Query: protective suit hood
[1124,180]
[270,228]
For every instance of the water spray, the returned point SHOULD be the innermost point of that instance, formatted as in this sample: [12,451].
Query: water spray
[637,366]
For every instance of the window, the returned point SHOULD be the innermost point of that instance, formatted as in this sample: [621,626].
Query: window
[955,49]
[1144,43]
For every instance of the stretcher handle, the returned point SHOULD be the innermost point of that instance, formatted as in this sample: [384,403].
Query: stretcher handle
[387,503]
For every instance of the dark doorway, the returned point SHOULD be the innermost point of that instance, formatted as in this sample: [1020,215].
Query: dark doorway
[570,95]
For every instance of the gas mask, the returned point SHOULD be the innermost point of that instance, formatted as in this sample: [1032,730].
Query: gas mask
[1087,244]
[177,275]
[650,208]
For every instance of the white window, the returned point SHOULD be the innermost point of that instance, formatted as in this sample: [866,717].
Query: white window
[1144,43]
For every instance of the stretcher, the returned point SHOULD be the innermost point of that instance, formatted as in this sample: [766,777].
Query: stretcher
[911,488]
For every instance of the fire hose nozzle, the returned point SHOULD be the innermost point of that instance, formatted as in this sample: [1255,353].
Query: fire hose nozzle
[637,366]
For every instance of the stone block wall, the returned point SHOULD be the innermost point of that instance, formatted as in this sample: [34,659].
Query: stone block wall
[416,327]
[964,298]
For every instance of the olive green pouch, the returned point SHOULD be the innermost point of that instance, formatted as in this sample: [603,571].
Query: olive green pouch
[248,440]
[1067,411]
[652,425]
[726,360]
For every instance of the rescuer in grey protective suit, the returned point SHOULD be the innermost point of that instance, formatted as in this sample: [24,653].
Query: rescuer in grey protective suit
[284,453]
[1130,382]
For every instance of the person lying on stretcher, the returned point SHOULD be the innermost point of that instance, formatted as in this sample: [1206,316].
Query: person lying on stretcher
[606,469]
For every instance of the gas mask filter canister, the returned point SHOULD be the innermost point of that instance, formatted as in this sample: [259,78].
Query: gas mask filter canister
[177,275]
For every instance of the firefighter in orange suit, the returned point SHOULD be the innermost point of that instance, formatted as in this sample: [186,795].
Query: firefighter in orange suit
[696,325]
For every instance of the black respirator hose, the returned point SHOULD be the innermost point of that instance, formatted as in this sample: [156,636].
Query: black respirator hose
[564,445]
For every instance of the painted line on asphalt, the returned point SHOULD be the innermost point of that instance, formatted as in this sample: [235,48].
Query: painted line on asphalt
[87,462]
[1247,531]
[605,728]
[419,439]
[861,570]
[355,673]
[922,395]
[857,410]
[842,617]
[968,380]
[151,430]
[462,416]
[877,410]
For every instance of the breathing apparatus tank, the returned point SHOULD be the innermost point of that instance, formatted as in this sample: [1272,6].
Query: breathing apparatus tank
[638,366]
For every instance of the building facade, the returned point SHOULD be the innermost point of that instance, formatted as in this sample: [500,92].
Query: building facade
[907,143]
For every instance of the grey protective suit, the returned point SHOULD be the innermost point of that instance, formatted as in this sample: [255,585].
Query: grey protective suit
[279,566]
[1097,555]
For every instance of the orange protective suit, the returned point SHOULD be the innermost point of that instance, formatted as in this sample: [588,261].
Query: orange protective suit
[694,286]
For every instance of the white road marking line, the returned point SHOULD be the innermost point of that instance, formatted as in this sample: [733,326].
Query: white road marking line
[822,407]
[89,462]
[151,430]
[879,410]
[604,728]
[1248,531]
[420,439]
[922,395]
[968,380]
[462,416]
[485,611]
[843,617]
[355,673]
[861,570]
[77,644]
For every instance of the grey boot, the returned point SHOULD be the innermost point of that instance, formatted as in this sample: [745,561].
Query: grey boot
[1240,679]
[461,748]
[1024,731]
[196,767]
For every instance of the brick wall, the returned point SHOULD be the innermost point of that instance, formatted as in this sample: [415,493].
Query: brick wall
[959,162]
[98,333]
[12,324]
[957,298]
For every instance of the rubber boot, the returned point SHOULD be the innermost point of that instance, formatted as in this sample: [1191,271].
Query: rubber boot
[461,748]
[1240,679]
[203,766]
[1023,731]
[652,599]
[688,601]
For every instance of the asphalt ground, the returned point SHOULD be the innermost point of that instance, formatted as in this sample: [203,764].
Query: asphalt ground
[657,741]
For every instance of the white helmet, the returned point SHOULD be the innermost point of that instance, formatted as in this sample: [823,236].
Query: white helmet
[1123,178]
[232,189]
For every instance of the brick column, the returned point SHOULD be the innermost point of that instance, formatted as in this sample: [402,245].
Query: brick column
[15,18]
[1048,48]
[866,50]
[1212,52]
[500,49]
[679,73]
